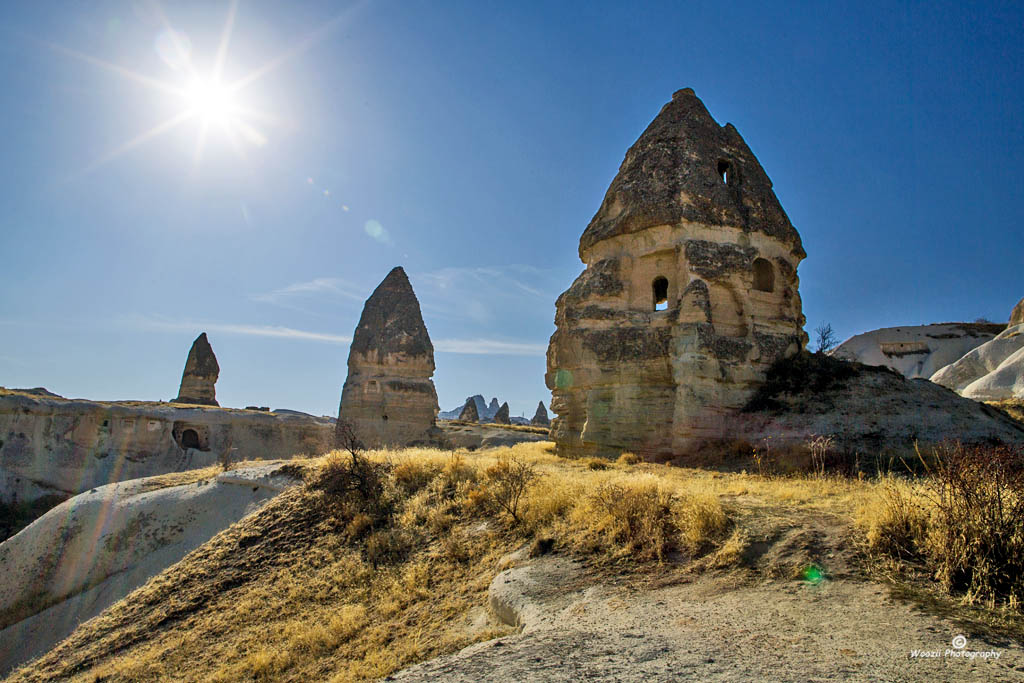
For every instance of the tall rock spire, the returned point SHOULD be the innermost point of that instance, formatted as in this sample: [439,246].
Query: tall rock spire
[200,375]
[388,397]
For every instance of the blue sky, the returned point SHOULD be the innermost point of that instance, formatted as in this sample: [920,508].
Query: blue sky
[470,142]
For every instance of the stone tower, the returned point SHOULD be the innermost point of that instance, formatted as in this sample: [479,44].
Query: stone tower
[200,375]
[688,296]
[388,397]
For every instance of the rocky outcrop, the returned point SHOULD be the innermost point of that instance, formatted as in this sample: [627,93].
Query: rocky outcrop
[917,350]
[53,446]
[492,409]
[469,411]
[388,397]
[690,293]
[501,417]
[994,371]
[868,411]
[200,375]
[540,418]
[1017,314]
[92,550]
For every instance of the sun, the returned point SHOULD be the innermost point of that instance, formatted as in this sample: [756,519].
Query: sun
[210,101]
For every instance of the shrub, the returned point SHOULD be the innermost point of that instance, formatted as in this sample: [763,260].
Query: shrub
[637,519]
[628,458]
[596,464]
[507,481]
[978,544]
[897,523]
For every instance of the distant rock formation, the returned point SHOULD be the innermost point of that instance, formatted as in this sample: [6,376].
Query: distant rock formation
[492,408]
[481,409]
[1017,314]
[993,371]
[916,350]
[469,411]
[54,446]
[501,417]
[540,418]
[690,293]
[388,397]
[200,375]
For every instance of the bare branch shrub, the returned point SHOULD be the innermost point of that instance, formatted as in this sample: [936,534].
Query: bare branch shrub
[507,480]
[226,457]
[825,339]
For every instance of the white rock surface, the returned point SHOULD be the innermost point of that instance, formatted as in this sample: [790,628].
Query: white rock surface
[92,550]
[917,350]
[993,371]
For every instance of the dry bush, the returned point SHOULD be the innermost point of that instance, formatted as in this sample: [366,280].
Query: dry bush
[977,546]
[596,464]
[896,523]
[507,482]
[628,458]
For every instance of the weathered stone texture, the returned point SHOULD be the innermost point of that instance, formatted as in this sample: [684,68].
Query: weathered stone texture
[540,418]
[388,397]
[200,375]
[690,293]
[469,411]
[1017,314]
[501,417]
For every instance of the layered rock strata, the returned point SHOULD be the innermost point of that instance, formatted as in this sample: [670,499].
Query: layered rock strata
[55,446]
[690,293]
[388,398]
[200,376]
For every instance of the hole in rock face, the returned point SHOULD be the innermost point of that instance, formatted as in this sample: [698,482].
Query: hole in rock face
[384,417]
[659,289]
[724,170]
[189,439]
[764,276]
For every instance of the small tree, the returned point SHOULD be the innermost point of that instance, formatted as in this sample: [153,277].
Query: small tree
[507,481]
[825,338]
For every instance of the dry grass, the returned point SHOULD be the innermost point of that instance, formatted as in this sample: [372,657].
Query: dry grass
[362,572]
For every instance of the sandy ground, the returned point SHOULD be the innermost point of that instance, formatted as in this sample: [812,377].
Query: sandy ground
[580,625]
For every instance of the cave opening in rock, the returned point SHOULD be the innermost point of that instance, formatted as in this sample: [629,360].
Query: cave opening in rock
[724,167]
[660,290]
[764,276]
[189,439]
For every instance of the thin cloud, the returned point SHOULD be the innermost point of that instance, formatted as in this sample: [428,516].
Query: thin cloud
[321,285]
[489,347]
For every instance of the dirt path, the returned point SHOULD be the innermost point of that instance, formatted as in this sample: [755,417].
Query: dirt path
[721,627]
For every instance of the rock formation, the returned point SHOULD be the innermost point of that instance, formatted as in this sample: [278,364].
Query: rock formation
[501,417]
[540,418]
[200,376]
[993,371]
[54,446]
[469,411]
[492,407]
[388,397]
[916,350]
[690,293]
[1017,314]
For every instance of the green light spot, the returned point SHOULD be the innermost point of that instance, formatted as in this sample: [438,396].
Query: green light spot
[563,379]
[813,575]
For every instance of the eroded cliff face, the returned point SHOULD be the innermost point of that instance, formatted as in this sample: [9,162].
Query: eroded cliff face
[690,293]
[388,397]
[57,446]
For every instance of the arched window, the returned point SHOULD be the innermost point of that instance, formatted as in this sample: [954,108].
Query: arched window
[764,276]
[659,288]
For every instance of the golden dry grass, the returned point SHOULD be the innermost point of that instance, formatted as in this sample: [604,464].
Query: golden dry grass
[326,586]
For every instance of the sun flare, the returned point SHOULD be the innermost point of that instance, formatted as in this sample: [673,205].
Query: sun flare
[210,101]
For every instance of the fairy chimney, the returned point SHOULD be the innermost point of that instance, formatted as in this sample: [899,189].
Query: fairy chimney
[469,412]
[200,375]
[540,418]
[501,417]
[689,294]
[388,398]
